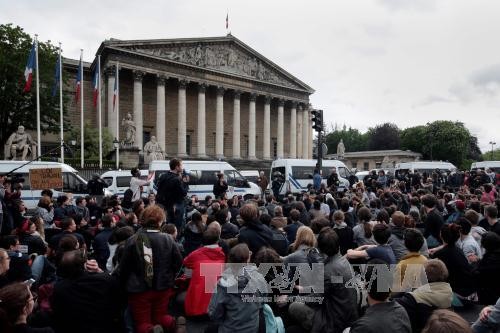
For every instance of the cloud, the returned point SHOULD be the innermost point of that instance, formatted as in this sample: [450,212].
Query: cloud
[431,99]
[418,5]
[487,76]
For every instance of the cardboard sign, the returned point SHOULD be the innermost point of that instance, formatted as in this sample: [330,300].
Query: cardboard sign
[42,179]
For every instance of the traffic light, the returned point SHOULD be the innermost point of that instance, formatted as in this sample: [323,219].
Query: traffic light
[317,120]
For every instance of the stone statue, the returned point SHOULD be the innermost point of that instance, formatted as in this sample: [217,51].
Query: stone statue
[20,145]
[129,128]
[341,148]
[152,151]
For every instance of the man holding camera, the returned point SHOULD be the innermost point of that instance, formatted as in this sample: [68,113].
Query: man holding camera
[172,191]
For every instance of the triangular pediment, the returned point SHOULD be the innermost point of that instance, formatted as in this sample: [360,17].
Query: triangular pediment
[224,54]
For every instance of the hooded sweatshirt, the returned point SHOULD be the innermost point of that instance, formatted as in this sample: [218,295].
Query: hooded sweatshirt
[235,304]
[207,264]
[255,235]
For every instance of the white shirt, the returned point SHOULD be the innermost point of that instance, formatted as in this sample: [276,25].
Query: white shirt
[135,186]
[469,246]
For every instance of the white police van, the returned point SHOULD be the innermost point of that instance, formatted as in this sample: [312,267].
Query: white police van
[72,182]
[119,181]
[203,176]
[424,167]
[298,173]
[493,165]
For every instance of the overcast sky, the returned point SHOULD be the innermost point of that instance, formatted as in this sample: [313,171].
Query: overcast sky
[370,61]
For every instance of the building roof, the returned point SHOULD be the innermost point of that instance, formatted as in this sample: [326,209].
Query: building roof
[379,153]
[181,51]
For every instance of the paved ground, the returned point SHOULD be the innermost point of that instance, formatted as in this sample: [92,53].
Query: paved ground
[470,314]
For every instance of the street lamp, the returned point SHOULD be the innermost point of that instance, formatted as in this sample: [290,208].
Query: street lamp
[492,143]
[116,145]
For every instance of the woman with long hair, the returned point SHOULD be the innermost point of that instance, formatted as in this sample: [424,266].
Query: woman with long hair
[16,304]
[362,232]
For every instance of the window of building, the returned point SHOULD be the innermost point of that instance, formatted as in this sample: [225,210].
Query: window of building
[275,148]
[366,166]
[354,164]
[378,165]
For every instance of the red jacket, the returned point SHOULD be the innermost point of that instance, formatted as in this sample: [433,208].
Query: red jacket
[201,286]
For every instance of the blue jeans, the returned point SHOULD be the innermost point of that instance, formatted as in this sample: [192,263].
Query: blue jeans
[177,216]
[37,267]
[492,324]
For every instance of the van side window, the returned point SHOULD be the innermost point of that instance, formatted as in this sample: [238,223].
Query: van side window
[233,178]
[72,184]
[343,172]
[302,172]
[208,177]
[108,180]
[123,181]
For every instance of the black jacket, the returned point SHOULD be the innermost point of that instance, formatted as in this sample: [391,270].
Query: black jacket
[90,303]
[171,189]
[433,224]
[219,189]
[339,307]
[255,235]
[461,276]
[387,317]
[167,261]
[488,272]
[34,243]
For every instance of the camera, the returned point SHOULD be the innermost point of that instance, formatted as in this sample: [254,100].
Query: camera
[14,179]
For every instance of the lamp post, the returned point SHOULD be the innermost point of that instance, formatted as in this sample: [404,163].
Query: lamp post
[116,145]
[492,143]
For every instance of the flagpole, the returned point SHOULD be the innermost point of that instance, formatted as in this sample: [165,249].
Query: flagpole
[82,145]
[39,135]
[61,104]
[117,114]
[99,108]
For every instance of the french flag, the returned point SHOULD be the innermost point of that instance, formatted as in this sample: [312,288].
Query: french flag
[115,89]
[95,85]
[78,81]
[30,68]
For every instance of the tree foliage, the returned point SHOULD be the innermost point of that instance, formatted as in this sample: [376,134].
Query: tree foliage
[18,108]
[91,141]
[353,140]
[384,137]
[488,156]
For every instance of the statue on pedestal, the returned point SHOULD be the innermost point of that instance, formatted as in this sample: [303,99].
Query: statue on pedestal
[20,145]
[340,149]
[129,128]
[152,151]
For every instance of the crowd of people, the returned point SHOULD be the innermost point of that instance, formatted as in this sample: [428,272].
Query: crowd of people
[390,254]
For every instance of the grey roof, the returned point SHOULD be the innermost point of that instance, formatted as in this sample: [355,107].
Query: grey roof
[380,153]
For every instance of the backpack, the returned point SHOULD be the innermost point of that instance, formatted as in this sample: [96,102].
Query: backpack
[273,324]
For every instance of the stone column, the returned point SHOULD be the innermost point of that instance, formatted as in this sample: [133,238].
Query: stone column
[138,75]
[181,120]
[267,129]
[219,124]
[201,135]
[293,131]
[236,125]
[281,124]
[160,111]
[305,133]
[251,128]
[300,119]
[111,114]
[310,137]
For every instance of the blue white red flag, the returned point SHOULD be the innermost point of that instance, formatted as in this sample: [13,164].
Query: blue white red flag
[30,68]
[115,89]
[78,81]
[57,76]
[95,84]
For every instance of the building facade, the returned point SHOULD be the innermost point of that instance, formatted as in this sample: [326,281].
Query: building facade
[376,159]
[213,98]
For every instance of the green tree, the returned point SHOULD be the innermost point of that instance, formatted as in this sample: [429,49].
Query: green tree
[474,153]
[447,141]
[353,140]
[487,156]
[382,137]
[18,108]
[413,138]
[91,143]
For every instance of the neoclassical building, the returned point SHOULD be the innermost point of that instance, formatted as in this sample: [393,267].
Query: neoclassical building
[201,98]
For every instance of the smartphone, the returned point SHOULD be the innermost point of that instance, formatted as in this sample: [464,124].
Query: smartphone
[29,282]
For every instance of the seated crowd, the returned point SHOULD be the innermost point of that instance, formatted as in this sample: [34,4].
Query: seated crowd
[383,256]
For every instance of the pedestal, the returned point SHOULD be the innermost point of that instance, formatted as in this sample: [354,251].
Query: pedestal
[129,157]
